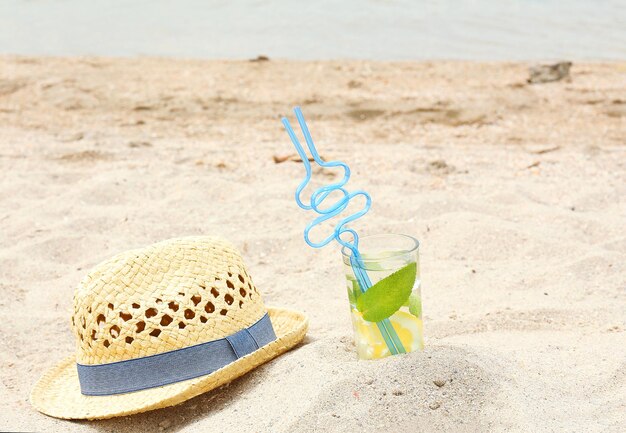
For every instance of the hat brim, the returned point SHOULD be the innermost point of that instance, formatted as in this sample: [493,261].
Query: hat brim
[58,394]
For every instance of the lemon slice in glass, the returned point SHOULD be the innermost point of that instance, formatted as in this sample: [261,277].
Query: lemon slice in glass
[371,345]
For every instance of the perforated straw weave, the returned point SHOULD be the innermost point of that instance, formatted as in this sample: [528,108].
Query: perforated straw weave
[167,296]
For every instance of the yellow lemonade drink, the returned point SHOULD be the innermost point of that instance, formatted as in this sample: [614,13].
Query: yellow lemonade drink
[390,317]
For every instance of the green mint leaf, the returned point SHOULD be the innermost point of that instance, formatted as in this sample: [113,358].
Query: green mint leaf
[386,296]
[406,303]
[351,296]
[415,305]
[354,291]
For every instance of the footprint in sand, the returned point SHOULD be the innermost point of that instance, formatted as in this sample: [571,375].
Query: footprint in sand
[86,156]
[8,87]
[364,114]
[442,115]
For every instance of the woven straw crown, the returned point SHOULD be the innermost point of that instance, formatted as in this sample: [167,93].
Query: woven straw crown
[168,296]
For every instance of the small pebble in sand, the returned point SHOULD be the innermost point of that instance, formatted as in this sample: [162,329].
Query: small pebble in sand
[260,58]
[278,159]
[547,73]
[76,136]
[397,392]
[534,164]
[440,166]
[435,405]
[439,382]
[136,144]
[164,424]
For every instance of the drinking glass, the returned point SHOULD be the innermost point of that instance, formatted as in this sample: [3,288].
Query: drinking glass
[382,256]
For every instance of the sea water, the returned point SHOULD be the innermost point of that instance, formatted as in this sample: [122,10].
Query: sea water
[322,29]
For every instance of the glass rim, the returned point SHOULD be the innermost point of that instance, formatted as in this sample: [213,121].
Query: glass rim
[347,252]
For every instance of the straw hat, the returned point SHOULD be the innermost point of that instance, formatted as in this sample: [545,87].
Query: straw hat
[159,325]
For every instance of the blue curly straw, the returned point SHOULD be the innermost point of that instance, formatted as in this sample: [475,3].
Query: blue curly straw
[317,198]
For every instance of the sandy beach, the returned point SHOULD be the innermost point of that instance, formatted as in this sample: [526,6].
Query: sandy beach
[517,193]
